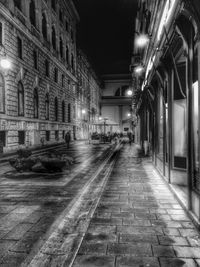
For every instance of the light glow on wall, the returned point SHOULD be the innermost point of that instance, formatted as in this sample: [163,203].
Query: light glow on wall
[165,16]
[150,65]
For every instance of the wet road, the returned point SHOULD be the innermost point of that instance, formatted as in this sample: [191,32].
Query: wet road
[31,208]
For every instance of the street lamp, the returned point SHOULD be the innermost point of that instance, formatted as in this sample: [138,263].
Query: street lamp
[139,69]
[141,40]
[129,92]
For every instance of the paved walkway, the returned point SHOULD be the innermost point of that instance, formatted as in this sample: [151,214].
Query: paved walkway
[138,222]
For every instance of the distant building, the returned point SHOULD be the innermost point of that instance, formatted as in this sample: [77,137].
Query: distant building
[88,97]
[38,93]
[116,104]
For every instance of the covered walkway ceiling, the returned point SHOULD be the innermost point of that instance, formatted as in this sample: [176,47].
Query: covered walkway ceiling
[105,33]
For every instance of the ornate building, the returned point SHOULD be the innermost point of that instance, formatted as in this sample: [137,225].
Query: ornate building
[38,91]
[167,53]
[88,96]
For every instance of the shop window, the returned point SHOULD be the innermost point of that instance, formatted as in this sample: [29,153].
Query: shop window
[3,138]
[195,116]
[32,13]
[44,26]
[179,118]
[19,47]
[20,99]
[21,137]
[47,135]
[2,94]
[47,107]
[36,103]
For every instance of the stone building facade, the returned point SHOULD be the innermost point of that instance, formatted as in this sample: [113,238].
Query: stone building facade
[38,101]
[89,95]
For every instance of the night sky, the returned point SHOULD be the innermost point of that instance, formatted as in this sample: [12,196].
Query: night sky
[105,33]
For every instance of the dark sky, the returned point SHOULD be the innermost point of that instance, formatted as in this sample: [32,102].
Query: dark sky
[105,33]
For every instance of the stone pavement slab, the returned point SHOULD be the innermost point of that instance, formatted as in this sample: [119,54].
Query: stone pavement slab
[138,221]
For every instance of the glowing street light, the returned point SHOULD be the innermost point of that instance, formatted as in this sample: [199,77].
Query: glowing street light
[5,63]
[139,69]
[129,92]
[141,40]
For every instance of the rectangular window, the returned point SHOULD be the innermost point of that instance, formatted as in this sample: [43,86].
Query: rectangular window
[47,68]
[56,75]
[2,140]
[47,135]
[63,80]
[35,59]
[19,47]
[63,134]
[21,137]
[1,33]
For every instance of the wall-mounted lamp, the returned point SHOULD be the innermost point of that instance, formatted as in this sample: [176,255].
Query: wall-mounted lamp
[4,61]
[83,111]
[129,92]
[129,115]
[141,40]
[138,69]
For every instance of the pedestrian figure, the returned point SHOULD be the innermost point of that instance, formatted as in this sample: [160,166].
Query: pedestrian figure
[130,137]
[67,138]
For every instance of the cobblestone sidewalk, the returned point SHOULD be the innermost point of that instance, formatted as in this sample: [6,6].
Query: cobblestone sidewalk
[138,222]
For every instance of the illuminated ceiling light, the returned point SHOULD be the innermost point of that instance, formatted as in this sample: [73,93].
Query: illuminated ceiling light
[5,63]
[141,40]
[139,69]
[129,92]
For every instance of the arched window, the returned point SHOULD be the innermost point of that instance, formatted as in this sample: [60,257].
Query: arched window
[44,26]
[63,111]
[18,4]
[56,108]
[47,107]
[61,47]
[32,13]
[2,94]
[20,99]
[69,112]
[35,59]
[53,38]
[67,54]
[35,103]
